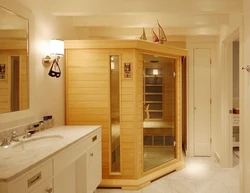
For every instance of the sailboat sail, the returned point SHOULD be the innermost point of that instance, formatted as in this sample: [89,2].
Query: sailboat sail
[155,37]
[162,35]
[143,36]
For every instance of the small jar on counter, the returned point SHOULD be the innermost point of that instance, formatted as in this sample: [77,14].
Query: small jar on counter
[45,122]
[50,121]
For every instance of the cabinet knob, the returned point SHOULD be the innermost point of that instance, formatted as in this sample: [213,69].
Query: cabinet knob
[91,154]
[49,190]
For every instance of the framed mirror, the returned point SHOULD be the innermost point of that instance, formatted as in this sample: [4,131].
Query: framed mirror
[14,66]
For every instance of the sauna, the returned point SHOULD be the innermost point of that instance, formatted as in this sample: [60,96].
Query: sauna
[132,88]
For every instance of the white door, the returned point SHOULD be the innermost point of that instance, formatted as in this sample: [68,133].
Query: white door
[202,101]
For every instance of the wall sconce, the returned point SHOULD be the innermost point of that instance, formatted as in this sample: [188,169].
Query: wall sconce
[56,49]
[155,72]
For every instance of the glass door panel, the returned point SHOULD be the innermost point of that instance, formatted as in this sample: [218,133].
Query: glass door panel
[115,113]
[159,111]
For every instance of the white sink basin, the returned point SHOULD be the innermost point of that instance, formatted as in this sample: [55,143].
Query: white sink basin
[37,142]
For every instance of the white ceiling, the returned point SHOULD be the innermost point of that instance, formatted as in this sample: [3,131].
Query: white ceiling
[126,18]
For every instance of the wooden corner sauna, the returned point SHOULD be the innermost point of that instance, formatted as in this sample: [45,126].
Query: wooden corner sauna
[132,88]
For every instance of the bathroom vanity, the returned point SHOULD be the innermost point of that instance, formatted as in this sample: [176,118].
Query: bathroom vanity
[59,160]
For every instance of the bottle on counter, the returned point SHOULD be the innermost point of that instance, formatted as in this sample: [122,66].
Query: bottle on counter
[45,122]
[50,121]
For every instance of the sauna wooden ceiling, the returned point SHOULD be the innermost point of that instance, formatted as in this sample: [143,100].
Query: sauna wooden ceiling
[105,19]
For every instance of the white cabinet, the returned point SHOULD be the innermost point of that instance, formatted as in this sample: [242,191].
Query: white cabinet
[32,179]
[46,187]
[65,181]
[89,166]
[94,167]
[79,169]
[76,169]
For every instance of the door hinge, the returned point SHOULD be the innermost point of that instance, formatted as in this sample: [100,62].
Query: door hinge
[210,61]
[174,74]
[210,101]
[211,140]
[230,111]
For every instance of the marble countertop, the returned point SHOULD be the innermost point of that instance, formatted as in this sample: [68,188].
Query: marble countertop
[15,161]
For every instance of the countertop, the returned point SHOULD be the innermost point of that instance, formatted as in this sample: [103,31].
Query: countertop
[14,162]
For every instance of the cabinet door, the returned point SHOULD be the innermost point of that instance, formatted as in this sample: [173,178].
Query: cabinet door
[65,181]
[45,187]
[81,174]
[94,167]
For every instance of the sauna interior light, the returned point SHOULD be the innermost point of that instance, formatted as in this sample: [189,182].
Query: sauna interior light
[155,72]
[56,48]
[112,65]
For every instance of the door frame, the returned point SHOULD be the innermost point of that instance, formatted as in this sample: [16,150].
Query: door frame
[227,100]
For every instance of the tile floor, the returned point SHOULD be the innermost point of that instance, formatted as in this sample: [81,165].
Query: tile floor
[201,175]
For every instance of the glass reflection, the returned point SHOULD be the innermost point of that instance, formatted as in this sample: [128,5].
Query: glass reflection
[115,113]
[14,70]
[159,111]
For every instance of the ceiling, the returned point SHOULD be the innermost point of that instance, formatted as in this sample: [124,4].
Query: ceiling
[125,18]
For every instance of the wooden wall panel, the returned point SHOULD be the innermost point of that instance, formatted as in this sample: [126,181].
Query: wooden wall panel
[139,115]
[24,81]
[88,101]
[5,86]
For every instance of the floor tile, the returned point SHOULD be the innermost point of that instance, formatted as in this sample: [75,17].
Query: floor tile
[201,175]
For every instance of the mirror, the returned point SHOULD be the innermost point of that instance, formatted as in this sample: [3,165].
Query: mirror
[14,67]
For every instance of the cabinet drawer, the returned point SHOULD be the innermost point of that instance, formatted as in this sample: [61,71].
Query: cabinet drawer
[44,187]
[94,138]
[69,155]
[32,179]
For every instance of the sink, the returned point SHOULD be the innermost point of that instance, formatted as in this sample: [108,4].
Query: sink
[37,142]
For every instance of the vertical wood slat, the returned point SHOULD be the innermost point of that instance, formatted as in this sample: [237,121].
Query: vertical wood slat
[85,93]
[5,85]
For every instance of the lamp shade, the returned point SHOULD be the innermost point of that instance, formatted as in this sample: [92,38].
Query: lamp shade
[56,47]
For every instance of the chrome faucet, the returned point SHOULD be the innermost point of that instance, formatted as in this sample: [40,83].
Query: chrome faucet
[5,143]
[14,137]
[27,133]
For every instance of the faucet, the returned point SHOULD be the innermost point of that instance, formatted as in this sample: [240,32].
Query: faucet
[7,142]
[14,137]
[28,134]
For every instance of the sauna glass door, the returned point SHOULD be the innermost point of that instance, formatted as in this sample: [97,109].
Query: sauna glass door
[115,113]
[159,111]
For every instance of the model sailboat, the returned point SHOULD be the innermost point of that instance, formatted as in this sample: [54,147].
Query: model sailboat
[161,36]
[143,36]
